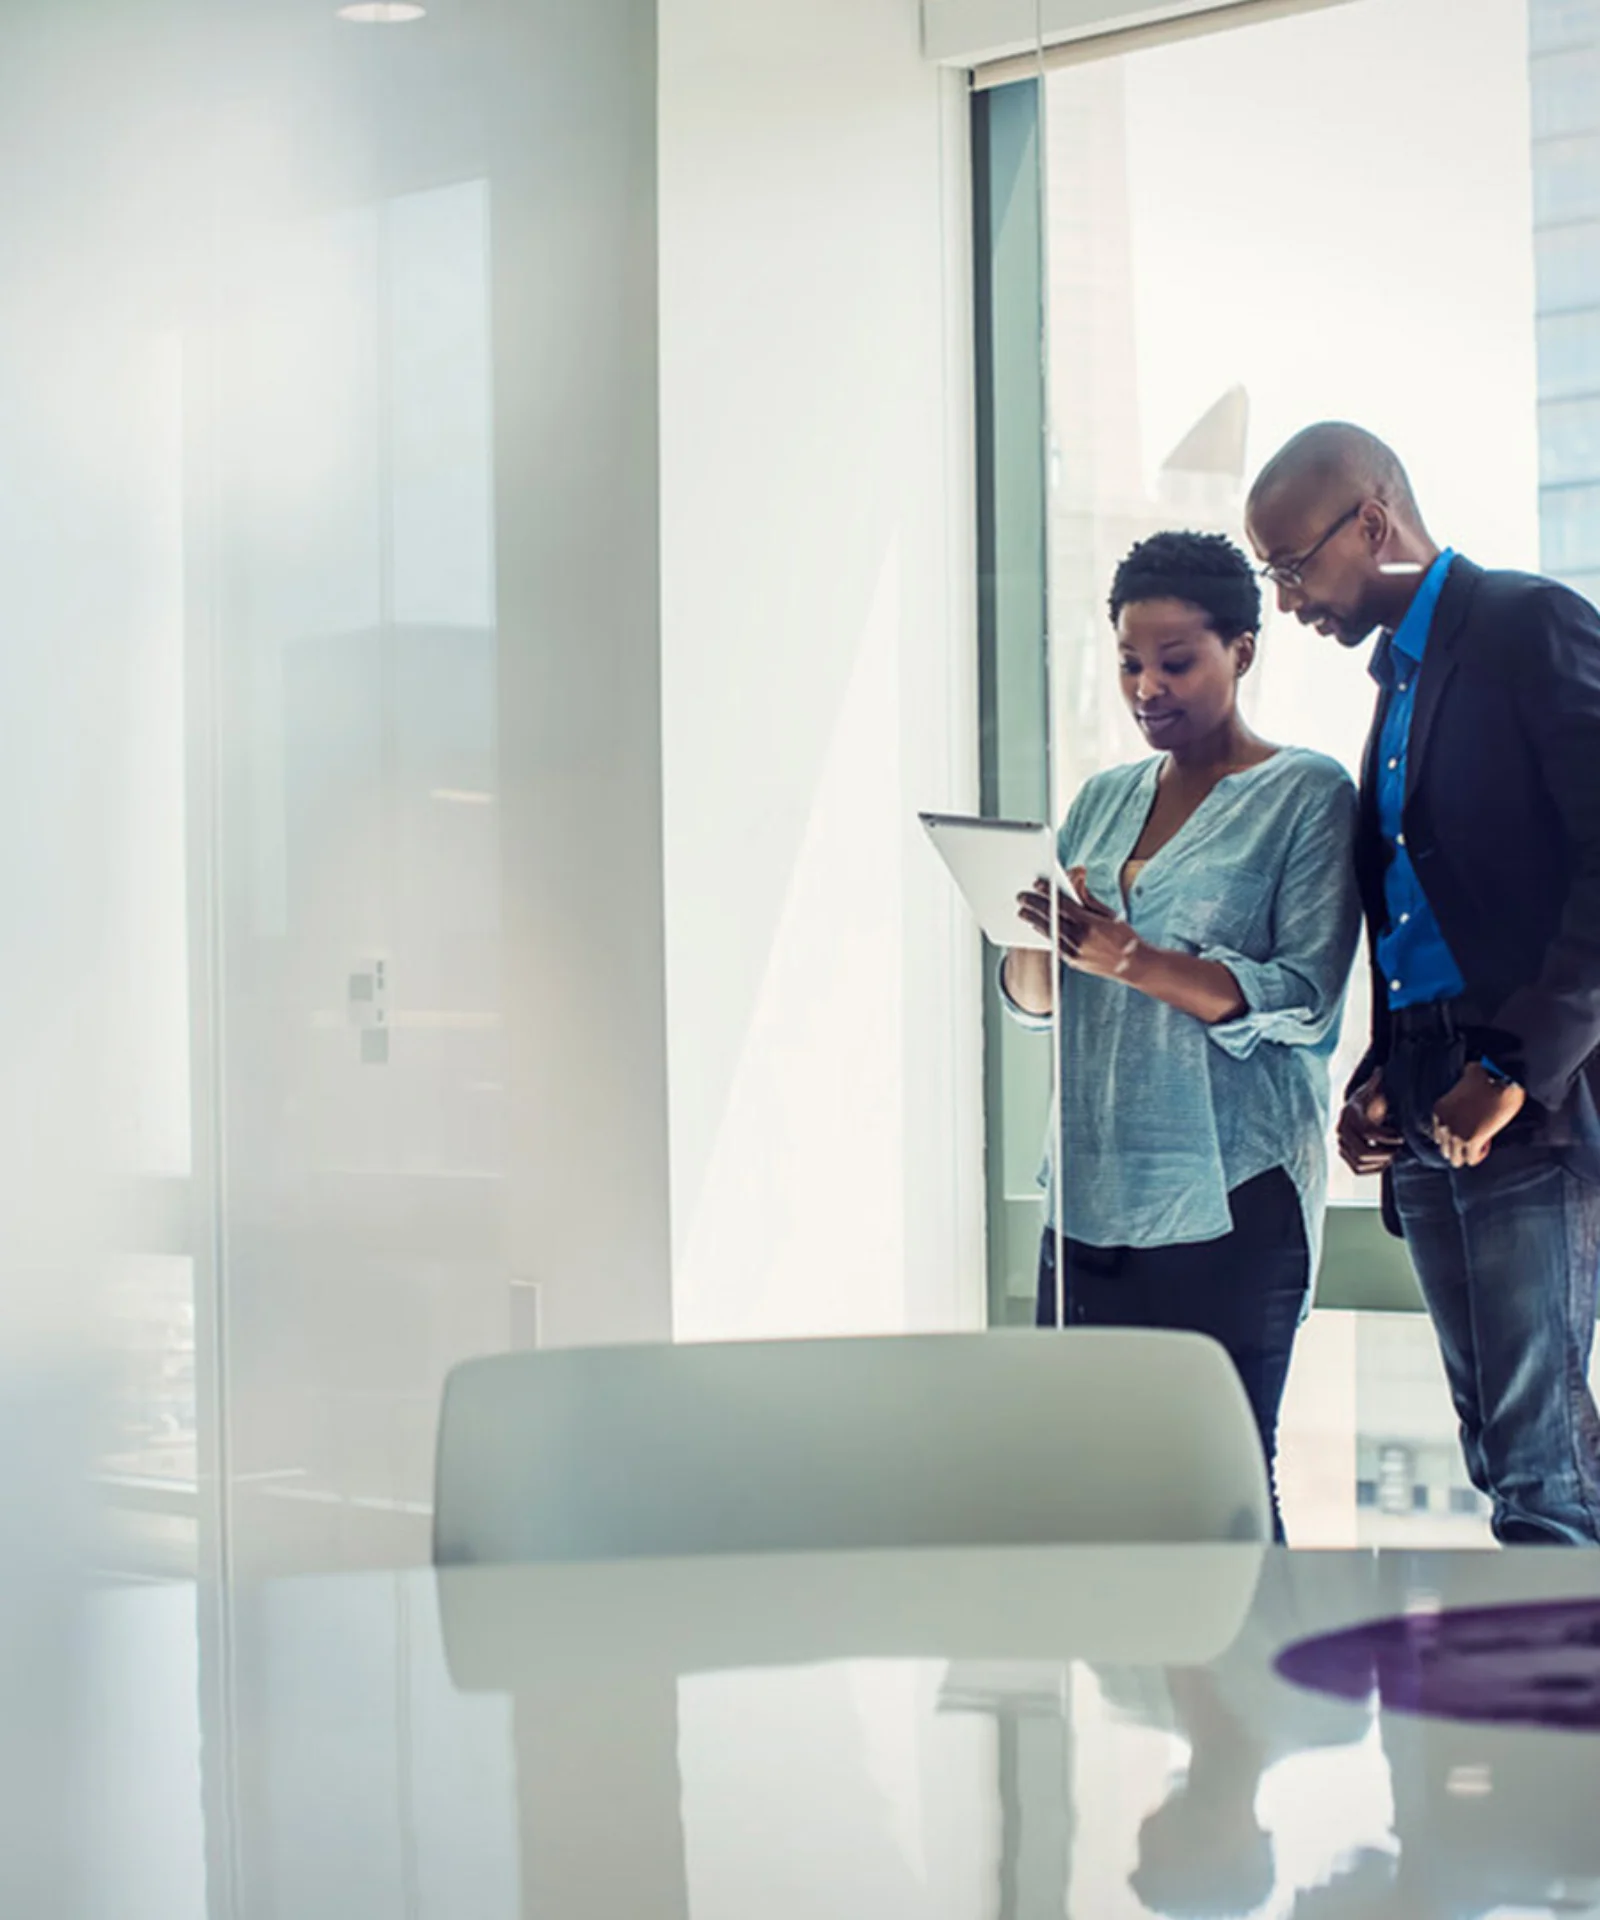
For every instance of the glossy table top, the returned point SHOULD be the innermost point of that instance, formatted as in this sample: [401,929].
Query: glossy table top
[1091,1731]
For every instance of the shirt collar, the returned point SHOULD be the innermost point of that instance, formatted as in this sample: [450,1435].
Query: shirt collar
[1411,636]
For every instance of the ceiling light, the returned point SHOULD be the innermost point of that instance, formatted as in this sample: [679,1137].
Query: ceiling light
[381,13]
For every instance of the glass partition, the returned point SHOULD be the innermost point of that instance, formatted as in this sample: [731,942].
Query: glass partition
[537,598]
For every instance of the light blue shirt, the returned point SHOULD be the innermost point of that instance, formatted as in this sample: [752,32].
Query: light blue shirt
[1162,1116]
[1412,954]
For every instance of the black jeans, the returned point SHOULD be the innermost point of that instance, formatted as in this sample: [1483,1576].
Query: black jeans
[1247,1290]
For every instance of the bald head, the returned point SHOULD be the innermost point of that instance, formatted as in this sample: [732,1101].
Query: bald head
[1334,460]
[1333,517]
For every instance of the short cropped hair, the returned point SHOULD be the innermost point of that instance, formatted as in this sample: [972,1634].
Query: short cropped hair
[1206,570]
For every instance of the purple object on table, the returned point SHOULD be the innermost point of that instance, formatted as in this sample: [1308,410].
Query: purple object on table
[1534,1665]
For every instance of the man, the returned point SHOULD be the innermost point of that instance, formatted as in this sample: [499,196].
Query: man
[1478,856]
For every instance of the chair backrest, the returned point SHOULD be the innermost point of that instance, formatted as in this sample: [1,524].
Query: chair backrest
[1013,1438]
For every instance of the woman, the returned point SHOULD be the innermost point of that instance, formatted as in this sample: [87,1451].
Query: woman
[1202,974]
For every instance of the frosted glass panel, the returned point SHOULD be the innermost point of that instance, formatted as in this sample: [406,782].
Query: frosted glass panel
[441,510]
[303,401]
[321,1063]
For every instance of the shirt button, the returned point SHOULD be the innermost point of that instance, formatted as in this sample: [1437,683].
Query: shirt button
[1394,986]
[1405,919]
[1399,839]
[1393,764]
[1405,686]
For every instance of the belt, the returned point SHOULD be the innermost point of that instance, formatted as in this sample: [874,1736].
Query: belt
[1436,1020]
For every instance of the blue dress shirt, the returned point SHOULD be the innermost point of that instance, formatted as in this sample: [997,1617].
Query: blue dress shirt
[1412,954]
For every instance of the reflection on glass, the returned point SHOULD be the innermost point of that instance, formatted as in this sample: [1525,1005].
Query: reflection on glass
[364,1106]
[147,1468]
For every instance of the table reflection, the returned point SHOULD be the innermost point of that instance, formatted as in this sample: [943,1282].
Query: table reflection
[1097,1733]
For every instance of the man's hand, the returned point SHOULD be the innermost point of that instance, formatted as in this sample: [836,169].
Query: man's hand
[1467,1119]
[1367,1142]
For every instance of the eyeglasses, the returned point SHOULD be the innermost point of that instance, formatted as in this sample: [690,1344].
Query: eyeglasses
[1292,573]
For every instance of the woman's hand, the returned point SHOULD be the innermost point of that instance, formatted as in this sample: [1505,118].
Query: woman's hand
[1091,937]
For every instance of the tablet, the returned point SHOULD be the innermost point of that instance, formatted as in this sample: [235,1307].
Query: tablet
[992,861]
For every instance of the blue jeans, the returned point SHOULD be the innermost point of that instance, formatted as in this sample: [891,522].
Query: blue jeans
[1508,1255]
[1246,1290]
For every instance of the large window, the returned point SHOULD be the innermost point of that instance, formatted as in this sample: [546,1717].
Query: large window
[1358,212]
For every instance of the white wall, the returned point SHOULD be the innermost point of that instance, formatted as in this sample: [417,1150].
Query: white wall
[819,670]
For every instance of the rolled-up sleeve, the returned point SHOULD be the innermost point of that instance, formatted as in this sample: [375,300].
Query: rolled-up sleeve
[1034,1022]
[1294,996]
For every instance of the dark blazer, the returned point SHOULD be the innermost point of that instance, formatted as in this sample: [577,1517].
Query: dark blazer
[1502,820]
